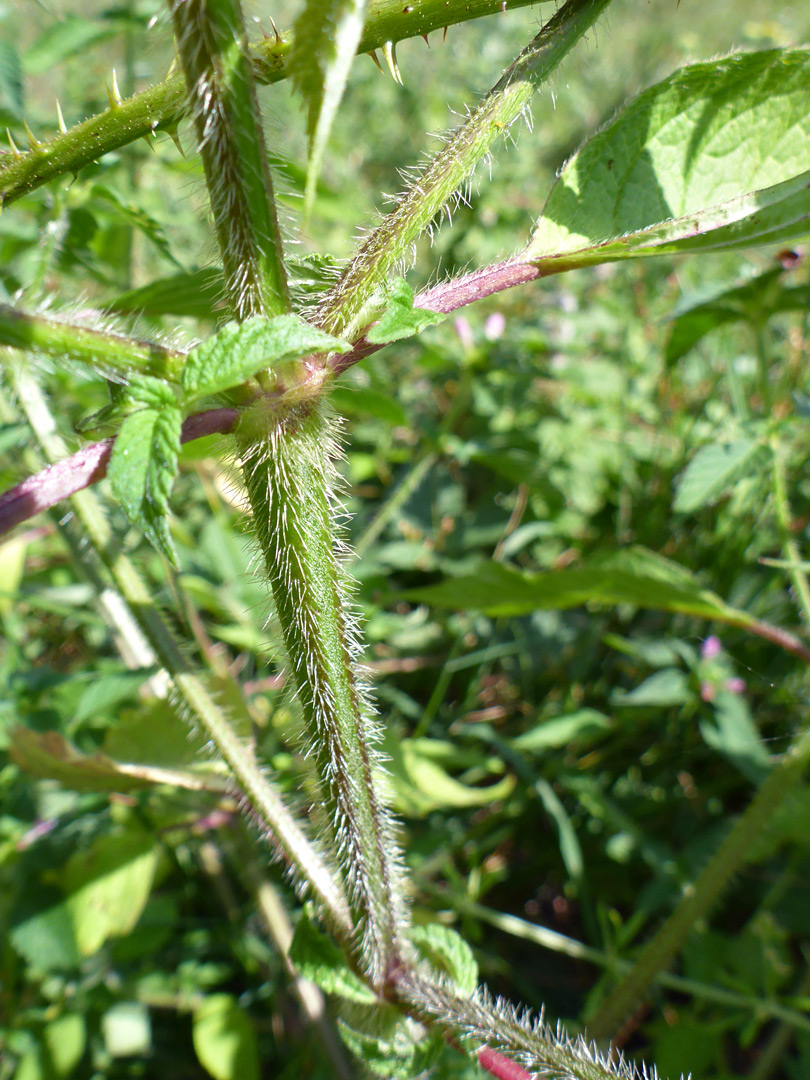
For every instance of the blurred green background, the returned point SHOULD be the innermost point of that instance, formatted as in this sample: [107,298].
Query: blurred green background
[574,769]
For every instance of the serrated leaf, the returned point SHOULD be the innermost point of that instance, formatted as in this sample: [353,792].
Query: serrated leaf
[108,885]
[318,959]
[710,472]
[716,156]
[399,1054]
[240,350]
[449,954]
[224,1039]
[634,575]
[142,468]
[326,36]
[667,687]
[400,319]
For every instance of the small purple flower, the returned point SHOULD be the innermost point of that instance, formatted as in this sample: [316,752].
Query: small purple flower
[465,334]
[494,326]
[711,647]
[735,685]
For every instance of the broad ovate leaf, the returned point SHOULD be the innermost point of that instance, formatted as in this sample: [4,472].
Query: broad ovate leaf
[318,959]
[224,1039]
[716,156]
[143,463]
[325,40]
[240,350]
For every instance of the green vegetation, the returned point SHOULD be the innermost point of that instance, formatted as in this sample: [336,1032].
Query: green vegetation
[577,529]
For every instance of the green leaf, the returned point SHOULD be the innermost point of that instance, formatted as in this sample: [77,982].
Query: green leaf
[46,937]
[65,37]
[108,885]
[143,465]
[421,785]
[400,1053]
[560,731]
[716,156]
[400,319]
[198,294]
[710,472]
[64,1040]
[326,36]
[138,218]
[754,302]
[449,954]
[570,848]
[735,735]
[49,755]
[240,350]
[11,80]
[670,686]
[127,1029]
[224,1039]
[631,576]
[362,401]
[318,959]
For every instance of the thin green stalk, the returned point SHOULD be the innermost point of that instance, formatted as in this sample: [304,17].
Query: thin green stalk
[698,899]
[409,483]
[790,548]
[391,243]
[211,41]
[566,946]
[109,352]
[164,105]
[260,795]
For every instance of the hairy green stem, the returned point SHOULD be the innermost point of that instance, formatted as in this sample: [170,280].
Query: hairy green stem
[260,795]
[391,242]
[164,105]
[287,465]
[211,41]
[699,897]
[111,353]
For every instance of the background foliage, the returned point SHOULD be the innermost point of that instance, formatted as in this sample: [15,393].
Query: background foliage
[571,768]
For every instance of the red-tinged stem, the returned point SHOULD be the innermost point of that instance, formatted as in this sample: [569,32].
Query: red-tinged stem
[87,466]
[500,1066]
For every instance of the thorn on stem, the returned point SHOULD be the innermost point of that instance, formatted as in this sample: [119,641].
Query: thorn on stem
[33,141]
[375,58]
[444,35]
[114,94]
[60,120]
[426,40]
[174,135]
[390,54]
[14,148]
[275,30]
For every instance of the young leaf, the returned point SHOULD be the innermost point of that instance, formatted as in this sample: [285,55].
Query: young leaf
[144,462]
[632,576]
[224,1039]
[318,959]
[327,33]
[399,1053]
[710,472]
[712,157]
[449,954]
[400,319]
[239,350]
